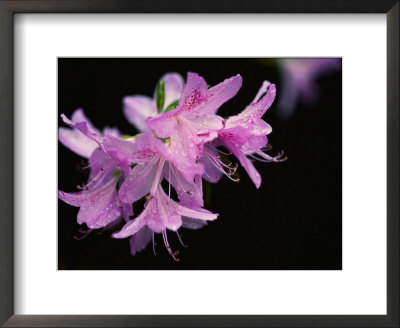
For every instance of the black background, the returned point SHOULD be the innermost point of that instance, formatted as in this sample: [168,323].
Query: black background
[293,222]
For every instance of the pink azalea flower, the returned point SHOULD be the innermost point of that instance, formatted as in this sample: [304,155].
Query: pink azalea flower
[194,122]
[98,206]
[161,213]
[98,201]
[154,161]
[243,135]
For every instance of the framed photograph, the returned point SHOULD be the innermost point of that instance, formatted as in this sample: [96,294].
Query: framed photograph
[210,164]
[296,245]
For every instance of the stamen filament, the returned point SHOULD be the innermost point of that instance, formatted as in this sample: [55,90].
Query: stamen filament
[169,180]
[180,240]
[266,158]
[220,151]
[89,165]
[216,160]
[157,176]
[97,176]
[154,244]
[173,254]
[85,234]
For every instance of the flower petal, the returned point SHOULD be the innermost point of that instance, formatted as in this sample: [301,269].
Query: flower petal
[111,131]
[88,197]
[236,135]
[146,147]
[140,240]
[132,226]
[157,215]
[254,143]
[76,141]
[221,93]
[190,192]
[121,151]
[137,109]
[194,93]
[186,167]
[163,125]
[193,224]
[167,215]
[138,183]
[205,123]
[101,163]
[98,206]
[250,116]
[185,142]
[79,116]
[85,128]
[105,212]
[200,214]
[127,211]
[261,128]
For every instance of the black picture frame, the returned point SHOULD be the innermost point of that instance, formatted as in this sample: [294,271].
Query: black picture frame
[10,7]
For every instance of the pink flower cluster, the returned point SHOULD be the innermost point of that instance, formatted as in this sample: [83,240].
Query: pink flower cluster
[180,141]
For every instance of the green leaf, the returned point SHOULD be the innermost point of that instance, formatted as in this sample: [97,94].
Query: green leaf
[128,137]
[172,106]
[160,96]
[116,174]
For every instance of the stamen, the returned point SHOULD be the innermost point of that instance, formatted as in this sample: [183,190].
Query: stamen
[267,147]
[85,234]
[154,244]
[221,166]
[277,158]
[180,240]
[100,231]
[259,159]
[169,180]
[228,166]
[89,165]
[220,151]
[97,176]
[173,254]
[157,176]
[266,158]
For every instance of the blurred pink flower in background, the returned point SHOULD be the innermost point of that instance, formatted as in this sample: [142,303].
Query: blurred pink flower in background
[299,81]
